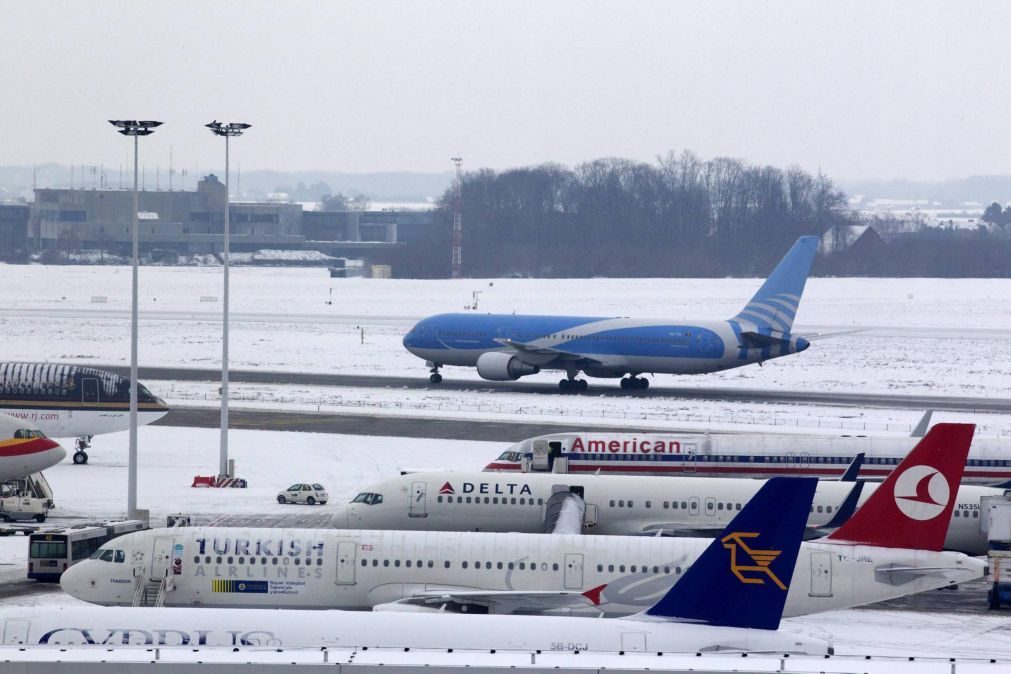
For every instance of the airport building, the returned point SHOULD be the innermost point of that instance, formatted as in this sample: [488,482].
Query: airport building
[13,231]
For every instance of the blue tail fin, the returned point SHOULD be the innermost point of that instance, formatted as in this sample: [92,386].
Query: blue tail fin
[774,306]
[742,578]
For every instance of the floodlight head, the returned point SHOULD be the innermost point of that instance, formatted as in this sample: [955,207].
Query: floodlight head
[130,127]
[227,128]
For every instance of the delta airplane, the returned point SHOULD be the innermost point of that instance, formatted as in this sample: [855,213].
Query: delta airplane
[505,347]
[24,451]
[732,599]
[622,504]
[65,401]
[512,572]
[735,455]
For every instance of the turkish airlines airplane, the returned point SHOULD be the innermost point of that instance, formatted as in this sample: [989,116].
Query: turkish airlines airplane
[505,347]
[732,599]
[512,572]
[24,451]
[619,504]
[735,455]
[65,401]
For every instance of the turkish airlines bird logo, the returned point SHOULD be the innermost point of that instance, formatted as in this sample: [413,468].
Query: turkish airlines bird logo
[447,489]
[922,492]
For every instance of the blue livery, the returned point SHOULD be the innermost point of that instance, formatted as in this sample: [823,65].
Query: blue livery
[505,347]
[743,577]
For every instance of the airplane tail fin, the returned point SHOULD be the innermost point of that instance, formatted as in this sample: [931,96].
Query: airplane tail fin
[742,578]
[774,306]
[912,507]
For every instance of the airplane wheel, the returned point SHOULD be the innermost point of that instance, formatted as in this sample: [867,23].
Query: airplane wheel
[583,385]
[435,378]
[643,383]
[564,386]
[310,501]
[281,499]
[625,382]
[80,457]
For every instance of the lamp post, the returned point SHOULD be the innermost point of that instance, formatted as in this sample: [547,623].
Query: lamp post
[136,129]
[226,129]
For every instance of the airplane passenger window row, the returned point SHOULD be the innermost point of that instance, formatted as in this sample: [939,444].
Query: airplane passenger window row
[459,333]
[34,390]
[641,569]
[959,513]
[297,561]
[492,500]
[827,509]
[522,566]
[674,505]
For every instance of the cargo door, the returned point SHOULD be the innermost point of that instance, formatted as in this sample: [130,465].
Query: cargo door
[16,631]
[573,571]
[346,554]
[419,500]
[89,391]
[633,642]
[821,574]
[161,557]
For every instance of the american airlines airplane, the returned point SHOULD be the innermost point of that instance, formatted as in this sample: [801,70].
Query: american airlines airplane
[24,450]
[505,347]
[732,599]
[621,504]
[512,572]
[735,455]
[65,401]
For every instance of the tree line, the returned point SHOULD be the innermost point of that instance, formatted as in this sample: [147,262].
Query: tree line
[682,216]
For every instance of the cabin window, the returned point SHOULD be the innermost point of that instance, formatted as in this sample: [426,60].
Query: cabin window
[365,562]
[407,564]
[666,569]
[554,567]
[219,560]
[621,504]
[621,568]
[196,560]
[666,505]
[523,566]
[438,499]
[677,570]
[386,563]
[396,563]
[612,503]
[632,568]
[494,500]
[499,565]
[375,562]
[514,500]
[821,509]
[600,568]
[510,566]
[487,565]
[656,569]
[738,507]
[468,499]
[649,504]
[719,506]
[445,564]
[610,568]
[975,514]
[242,560]
[464,564]
[273,560]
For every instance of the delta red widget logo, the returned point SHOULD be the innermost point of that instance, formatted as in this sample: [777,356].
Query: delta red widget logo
[447,489]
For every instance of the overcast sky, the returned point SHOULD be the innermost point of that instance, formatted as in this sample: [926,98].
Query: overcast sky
[858,89]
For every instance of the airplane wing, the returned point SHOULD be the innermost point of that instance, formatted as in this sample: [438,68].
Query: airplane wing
[680,530]
[896,574]
[503,601]
[541,355]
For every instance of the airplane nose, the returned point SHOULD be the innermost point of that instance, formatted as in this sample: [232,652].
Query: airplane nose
[73,581]
[340,519]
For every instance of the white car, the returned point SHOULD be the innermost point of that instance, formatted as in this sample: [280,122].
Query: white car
[303,492]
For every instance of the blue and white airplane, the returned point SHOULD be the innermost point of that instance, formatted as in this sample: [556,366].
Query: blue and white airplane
[505,347]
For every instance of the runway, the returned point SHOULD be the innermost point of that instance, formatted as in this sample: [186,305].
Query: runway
[607,389]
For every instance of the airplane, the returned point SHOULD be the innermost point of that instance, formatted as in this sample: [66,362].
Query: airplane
[505,347]
[24,451]
[622,504]
[760,455]
[222,567]
[732,599]
[65,401]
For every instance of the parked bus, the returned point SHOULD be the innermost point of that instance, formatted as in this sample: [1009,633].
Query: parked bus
[53,551]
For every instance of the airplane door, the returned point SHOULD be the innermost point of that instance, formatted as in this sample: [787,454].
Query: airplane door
[419,500]
[710,506]
[346,553]
[590,515]
[573,571]
[791,459]
[693,506]
[821,574]
[161,557]
[689,462]
[633,642]
[89,391]
[16,631]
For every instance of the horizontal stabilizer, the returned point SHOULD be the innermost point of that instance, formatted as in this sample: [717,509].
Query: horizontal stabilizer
[757,341]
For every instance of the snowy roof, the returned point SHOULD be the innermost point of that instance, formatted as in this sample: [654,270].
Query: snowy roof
[838,239]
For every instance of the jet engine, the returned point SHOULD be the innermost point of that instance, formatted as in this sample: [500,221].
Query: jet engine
[497,366]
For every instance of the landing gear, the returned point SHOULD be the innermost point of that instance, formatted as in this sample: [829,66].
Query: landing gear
[435,378]
[573,385]
[83,443]
[635,383]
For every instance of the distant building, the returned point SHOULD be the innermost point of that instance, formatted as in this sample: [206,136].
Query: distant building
[187,222]
[853,250]
[13,231]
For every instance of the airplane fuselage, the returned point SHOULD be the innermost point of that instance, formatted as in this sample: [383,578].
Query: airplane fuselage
[320,569]
[615,504]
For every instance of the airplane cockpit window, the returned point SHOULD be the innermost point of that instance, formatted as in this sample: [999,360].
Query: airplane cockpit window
[120,556]
[106,555]
[368,498]
[25,434]
[509,456]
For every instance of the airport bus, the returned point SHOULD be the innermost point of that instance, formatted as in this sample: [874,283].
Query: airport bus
[53,551]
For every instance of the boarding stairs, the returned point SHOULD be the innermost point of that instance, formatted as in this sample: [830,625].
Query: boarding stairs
[151,592]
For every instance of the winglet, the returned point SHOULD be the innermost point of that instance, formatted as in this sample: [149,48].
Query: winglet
[848,507]
[742,578]
[774,306]
[853,469]
[912,507]
[923,425]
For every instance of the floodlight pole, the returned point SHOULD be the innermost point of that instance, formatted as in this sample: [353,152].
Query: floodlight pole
[226,129]
[135,129]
